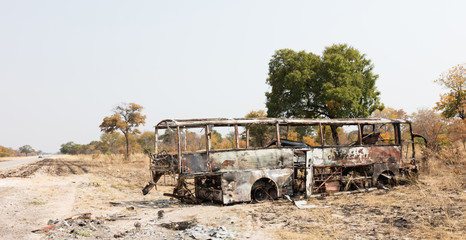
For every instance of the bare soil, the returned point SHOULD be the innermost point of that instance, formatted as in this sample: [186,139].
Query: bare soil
[99,197]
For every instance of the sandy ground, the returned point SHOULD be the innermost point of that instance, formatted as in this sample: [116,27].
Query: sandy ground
[45,192]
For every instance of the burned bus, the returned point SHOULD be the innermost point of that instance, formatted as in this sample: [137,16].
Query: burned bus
[265,158]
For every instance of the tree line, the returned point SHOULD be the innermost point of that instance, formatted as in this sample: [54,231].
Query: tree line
[439,131]
[339,83]
[25,150]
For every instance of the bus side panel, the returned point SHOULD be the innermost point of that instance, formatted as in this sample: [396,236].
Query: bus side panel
[354,156]
[236,185]
[194,163]
[271,158]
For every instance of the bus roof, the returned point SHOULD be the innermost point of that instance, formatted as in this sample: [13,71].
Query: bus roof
[224,122]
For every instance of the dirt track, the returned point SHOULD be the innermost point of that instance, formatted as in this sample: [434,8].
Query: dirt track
[56,189]
[52,167]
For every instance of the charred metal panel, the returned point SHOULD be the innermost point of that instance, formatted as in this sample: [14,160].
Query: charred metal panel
[354,156]
[194,162]
[383,167]
[385,154]
[236,185]
[209,188]
[315,156]
[309,182]
[251,159]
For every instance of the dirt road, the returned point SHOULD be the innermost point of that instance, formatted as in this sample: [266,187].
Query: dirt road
[43,193]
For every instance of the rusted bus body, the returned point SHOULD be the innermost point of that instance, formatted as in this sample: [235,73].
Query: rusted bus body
[284,167]
[371,161]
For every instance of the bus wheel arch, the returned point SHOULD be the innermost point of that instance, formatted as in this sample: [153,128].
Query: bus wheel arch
[264,189]
[385,179]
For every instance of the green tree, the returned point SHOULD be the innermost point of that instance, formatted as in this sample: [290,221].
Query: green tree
[26,149]
[126,118]
[338,84]
[146,141]
[259,134]
[167,140]
[70,148]
[109,142]
[453,103]
[216,139]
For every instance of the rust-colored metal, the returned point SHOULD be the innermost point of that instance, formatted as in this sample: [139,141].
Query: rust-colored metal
[321,134]
[359,134]
[277,132]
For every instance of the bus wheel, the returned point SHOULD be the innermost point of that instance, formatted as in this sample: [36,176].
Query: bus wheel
[263,189]
[259,194]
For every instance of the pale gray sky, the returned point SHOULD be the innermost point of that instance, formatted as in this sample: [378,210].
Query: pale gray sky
[65,64]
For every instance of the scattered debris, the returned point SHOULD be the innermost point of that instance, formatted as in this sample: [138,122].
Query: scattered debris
[49,227]
[178,225]
[137,225]
[208,232]
[115,203]
[302,205]
[160,214]
[125,216]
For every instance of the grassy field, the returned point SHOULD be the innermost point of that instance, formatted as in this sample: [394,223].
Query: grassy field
[433,207]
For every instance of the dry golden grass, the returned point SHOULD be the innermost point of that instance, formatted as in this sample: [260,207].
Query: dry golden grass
[128,173]
[434,207]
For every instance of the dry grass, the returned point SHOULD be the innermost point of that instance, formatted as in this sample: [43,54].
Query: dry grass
[434,207]
[129,174]
[431,208]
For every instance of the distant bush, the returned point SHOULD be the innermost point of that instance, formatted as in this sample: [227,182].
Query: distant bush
[7,152]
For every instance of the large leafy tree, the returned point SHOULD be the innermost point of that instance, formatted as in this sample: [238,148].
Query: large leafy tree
[26,149]
[70,148]
[126,118]
[338,84]
[109,142]
[453,103]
